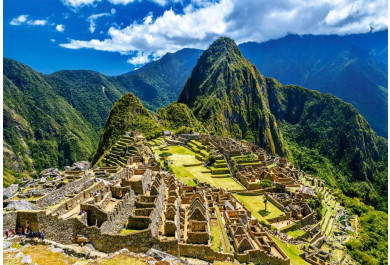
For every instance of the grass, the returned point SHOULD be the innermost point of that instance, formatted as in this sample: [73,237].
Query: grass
[215,238]
[296,233]
[41,255]
[291,251]
[183,156]
[256,203]
[225,239]
[126,231]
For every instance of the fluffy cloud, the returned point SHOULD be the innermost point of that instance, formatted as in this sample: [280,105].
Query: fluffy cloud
[19,20]
[78,3]
[23,19]
[92,20]
[140,59]
[244,20]
[60,28]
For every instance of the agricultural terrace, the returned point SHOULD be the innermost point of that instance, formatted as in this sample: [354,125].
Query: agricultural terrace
[187,168]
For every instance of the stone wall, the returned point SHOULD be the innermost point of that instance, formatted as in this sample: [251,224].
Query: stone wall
[9,220]
[117,218]
[204,252]
[171,246]
[58,195]
[79,198]
[258,256]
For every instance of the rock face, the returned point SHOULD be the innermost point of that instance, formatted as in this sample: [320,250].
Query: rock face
[21,205]
[50,172]
[10,191]
[228,94]
[81,165]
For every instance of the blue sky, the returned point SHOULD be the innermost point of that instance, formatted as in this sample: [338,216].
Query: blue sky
[116,36]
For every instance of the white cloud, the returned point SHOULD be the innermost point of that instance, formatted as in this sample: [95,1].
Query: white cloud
[243,20]
[38,22]
[52,40]
[121,2]
[23,19]
[19,20]
[140,59]
[92,20]
[113,11]
[60,28]
[78,3]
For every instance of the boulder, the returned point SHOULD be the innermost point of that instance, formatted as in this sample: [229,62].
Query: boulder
[20,255]
[7,244]
[50,172]
[42,180]
[26,246]
[57,250]
[10,191]
[27,260]
[81,165]
[124,251]
[21,205]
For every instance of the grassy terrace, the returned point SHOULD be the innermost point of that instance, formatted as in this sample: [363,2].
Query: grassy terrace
[183,156]
[126,231]
[291,251]
[296,233]
[215,237]
[256,203]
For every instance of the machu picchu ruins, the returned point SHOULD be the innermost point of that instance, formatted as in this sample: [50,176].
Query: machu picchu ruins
[133,199]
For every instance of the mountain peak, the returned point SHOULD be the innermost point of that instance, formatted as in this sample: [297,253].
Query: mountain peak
[224,46]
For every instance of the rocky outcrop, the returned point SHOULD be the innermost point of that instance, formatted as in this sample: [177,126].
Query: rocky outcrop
[10,191]
[79,166]
[21,205]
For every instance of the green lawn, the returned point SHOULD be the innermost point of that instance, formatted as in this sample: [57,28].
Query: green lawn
[216,240]
[296,233]
[126,231]
[184,156]
[256,204]
[291,251]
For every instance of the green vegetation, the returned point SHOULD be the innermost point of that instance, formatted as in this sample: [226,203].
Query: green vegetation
[329,138]
[371,245]
[126,231]
[126,115]
[183,156]
[291,251]
[164,155]
[180,118]
[215,238]
[210,160]
[256,204]
[296,233]
[41,129]
[265,183]
[215,93]
[316,204]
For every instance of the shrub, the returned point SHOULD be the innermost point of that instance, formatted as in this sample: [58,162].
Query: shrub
[265,183]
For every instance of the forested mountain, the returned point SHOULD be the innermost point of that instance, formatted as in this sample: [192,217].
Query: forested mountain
[353,68]
[126,115]
[41,128]
[229,95]
[67,110]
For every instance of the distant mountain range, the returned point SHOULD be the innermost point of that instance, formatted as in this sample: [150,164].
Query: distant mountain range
[353,68]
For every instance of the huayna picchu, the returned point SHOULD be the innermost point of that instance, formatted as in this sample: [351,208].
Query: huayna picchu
[240,169]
